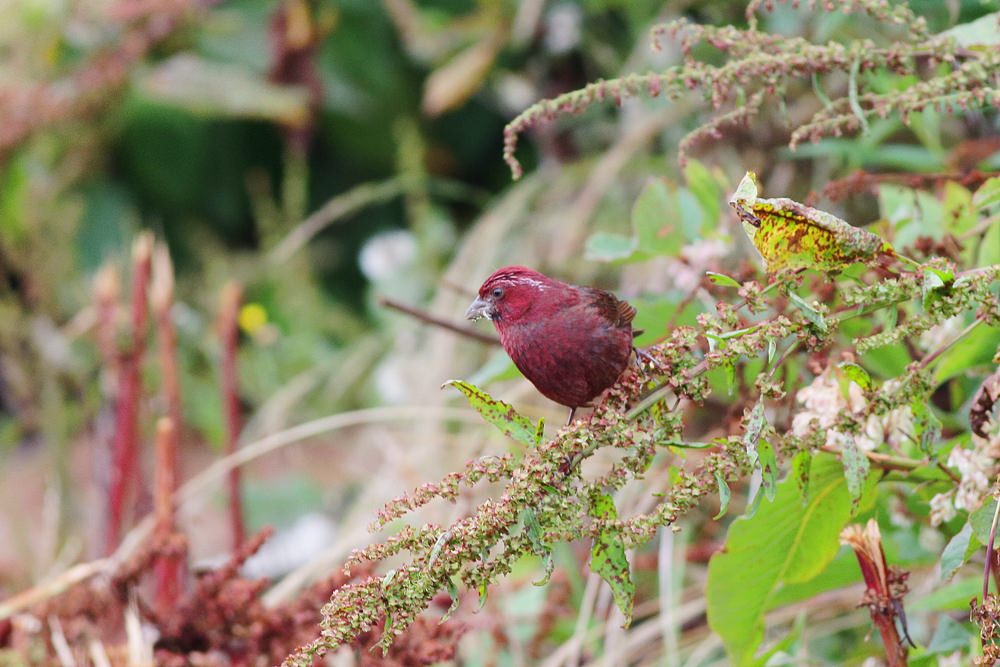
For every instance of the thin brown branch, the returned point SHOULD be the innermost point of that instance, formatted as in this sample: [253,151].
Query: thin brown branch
[427,318]
[125,447]
[229,308]
[861,181]
[947,345]
[883,461]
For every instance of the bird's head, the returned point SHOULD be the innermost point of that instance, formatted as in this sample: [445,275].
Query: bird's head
[509,293]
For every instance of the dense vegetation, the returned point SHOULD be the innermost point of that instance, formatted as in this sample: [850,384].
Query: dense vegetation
[236,242]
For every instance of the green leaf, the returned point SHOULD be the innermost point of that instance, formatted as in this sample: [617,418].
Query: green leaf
[856,374]
[959,213]
[483,594]
[654,230]
[768,468]
[729,368]
[533,529]
[722,279]
[706,190]
[724,495]
[989,247]
[977,349]
[785,644]
[651,220]
[607,558]
[790,235]
[784,543]
[800,472]
[983,33]
[772,347]
[987,195]
[982,520]
[755,422]
[856,467]
[754,502]
[929,285]
[953,596]
[498,413]
[957,551]
[456,599]
[928,426]
[950,636]
[813,316]
[439,544]
[606,247]
[842,571]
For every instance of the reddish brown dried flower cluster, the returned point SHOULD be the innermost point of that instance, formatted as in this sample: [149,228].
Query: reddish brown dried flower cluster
[222,621]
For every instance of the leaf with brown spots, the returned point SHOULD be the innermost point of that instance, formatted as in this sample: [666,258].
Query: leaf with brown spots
[790,235]
[608,560]
[500,414]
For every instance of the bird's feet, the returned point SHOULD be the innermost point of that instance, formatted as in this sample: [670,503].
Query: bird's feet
[643,356]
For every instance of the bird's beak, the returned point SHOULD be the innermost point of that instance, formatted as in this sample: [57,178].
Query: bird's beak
[479,308]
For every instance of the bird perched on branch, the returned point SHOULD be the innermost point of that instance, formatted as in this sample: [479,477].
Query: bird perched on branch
[571,342]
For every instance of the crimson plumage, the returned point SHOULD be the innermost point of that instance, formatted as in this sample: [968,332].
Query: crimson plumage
[571,342]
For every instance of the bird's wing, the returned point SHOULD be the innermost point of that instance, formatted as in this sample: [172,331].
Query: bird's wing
[614,310]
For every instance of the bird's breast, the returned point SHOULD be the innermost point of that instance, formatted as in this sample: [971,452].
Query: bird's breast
[570,362]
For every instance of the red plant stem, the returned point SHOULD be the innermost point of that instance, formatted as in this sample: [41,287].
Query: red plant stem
[124,446]
[107,288]
[885,621]
[232,295]
[168,566]
[879,596]
[162,298]
[991,555]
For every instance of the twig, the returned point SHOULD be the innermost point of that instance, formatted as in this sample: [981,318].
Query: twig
[979,228]
[988,567]
[196,488]
[59,643]
[339,207]
[232,295]
[468,332]
[55,586]
[861,180]
[124,447]
[941,349]
[883,461]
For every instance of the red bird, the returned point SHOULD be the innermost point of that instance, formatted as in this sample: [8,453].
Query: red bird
[571,342]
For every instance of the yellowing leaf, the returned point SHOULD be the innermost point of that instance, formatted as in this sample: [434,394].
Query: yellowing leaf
[790,235]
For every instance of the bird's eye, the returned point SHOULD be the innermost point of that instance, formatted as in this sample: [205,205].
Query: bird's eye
[497,292]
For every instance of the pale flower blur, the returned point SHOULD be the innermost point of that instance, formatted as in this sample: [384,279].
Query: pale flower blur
[823,403]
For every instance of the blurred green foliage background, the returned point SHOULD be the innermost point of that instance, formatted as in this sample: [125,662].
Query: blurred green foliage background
[329,153]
